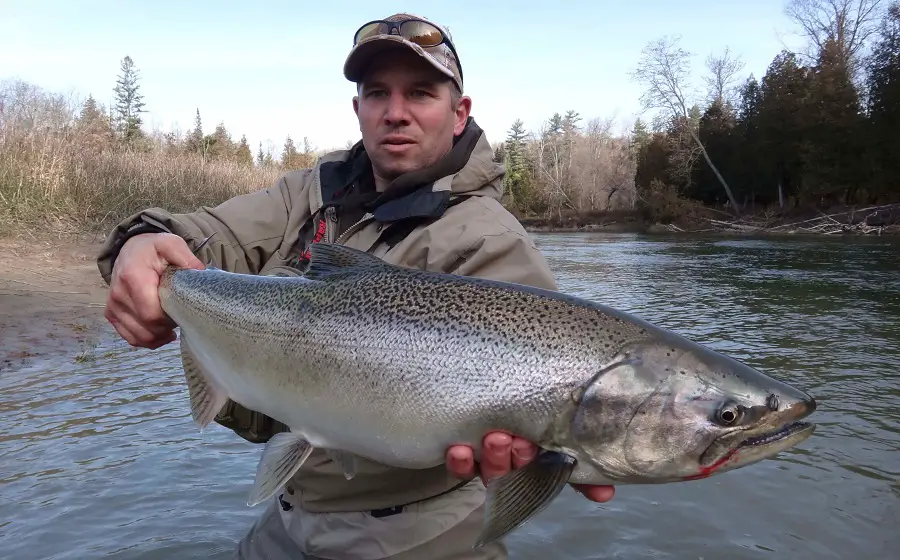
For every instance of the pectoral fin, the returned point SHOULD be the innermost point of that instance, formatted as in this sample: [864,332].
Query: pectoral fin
[518,496]
[284,453]
[207,399]
[346,460]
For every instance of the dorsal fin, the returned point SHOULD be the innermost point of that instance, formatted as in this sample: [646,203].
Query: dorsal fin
[328,258]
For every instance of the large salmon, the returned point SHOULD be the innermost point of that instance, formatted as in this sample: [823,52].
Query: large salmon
[369,359]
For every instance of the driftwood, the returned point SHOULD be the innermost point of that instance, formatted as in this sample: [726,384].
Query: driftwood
[825,224]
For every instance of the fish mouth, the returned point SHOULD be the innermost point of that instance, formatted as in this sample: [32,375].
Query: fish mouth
[740,449]
[744,446]
[775,436]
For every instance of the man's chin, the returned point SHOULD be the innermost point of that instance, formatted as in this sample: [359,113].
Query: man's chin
[391,166]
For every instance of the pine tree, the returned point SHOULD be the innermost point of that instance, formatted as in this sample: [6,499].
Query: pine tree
[883,84]
[129,102]
[639,137]
[218,145]
[834,154]
[517,180]
[783,125]
[94,131]
[290,158]
[242,153]
[194,141]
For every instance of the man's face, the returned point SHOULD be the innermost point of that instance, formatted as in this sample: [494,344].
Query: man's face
[406,116]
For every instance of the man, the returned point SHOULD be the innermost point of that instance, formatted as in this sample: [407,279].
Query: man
[420,190]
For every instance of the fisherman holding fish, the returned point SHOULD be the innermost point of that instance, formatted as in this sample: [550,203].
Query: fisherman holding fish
[420,190]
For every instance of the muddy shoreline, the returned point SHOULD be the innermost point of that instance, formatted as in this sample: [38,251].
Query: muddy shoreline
[51,299]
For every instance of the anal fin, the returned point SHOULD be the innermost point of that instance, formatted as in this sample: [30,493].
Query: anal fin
[521,494]
[346,460]
[207,399]
[284,453]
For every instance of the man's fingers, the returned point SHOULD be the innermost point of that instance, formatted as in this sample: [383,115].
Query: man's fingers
[123,332]
[496,455]
[523,452]
[596,493]
[461,462]
[137,334]
[175,251]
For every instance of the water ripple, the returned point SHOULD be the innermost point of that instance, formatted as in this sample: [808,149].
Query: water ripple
[101,459]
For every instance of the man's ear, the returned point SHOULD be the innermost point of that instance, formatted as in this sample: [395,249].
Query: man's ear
[463,109]
[356,105]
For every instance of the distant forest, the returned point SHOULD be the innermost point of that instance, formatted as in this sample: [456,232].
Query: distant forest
[819,129]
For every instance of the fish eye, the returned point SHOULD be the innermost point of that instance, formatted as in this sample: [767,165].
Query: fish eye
[728,414]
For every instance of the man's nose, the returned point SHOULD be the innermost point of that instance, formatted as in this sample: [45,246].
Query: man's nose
[397,110]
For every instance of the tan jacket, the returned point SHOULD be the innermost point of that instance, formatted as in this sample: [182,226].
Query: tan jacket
[453,223]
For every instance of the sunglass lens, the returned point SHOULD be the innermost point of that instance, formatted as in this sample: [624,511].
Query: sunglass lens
[421,33]
[370,30]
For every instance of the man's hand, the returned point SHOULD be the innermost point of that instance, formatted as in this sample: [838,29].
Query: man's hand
[133,304]
[502,453]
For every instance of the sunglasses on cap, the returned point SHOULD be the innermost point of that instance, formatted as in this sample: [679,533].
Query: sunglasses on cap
[417,31]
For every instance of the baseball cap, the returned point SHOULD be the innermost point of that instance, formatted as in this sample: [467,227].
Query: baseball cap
[427,39]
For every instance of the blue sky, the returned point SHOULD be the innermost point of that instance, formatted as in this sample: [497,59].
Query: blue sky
[274,68]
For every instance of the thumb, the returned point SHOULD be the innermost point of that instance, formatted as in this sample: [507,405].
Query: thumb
[175,251]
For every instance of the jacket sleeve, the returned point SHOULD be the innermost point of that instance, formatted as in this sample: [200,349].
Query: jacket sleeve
[248,228]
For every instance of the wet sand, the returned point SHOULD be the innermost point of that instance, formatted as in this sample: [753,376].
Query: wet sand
[51,298]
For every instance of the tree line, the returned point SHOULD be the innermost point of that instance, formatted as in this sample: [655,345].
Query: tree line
[79,165]
[818,129]
[121,126]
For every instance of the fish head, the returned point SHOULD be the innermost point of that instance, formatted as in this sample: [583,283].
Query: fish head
[667,409]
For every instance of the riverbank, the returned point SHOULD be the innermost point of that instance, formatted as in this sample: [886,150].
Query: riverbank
[865,220]
[51,297]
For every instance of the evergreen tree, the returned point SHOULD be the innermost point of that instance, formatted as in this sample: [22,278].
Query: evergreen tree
[783,125]
[832,165]
[290,157]
[883,82]
[94,130]
[194,141]
[516,181]
[129,103]
[640,136]
[242,153]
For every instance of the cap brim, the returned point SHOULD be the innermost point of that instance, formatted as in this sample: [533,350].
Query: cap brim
[365,51]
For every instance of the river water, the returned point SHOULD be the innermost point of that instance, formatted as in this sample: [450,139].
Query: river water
[100,458]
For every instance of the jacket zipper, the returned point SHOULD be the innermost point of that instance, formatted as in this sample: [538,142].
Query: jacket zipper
[331,225]
[353,229]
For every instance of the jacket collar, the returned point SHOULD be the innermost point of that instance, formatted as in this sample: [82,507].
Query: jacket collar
[468,168]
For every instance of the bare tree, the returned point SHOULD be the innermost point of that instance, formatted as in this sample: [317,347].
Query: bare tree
[663,70]
[849,23]
[553,168]
[723,71]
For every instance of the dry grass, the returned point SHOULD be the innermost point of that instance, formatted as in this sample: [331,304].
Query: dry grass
[60,181]
[64,171]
